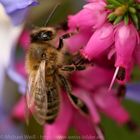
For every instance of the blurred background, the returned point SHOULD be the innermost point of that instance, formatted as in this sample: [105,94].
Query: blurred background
[13,85]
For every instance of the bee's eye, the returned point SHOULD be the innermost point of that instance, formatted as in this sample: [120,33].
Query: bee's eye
[42,36]
[49,33]
[46,35]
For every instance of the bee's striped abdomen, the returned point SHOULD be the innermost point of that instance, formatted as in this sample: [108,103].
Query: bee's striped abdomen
[48,112]
[53,105]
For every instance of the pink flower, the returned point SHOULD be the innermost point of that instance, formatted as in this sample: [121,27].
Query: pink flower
[24,39]
[118,40]
[87,17]
[88,82]
[100,40]
[126,39]
[110,106]
[79,40]
[19,109]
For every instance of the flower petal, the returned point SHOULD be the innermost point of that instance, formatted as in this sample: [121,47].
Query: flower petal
[18,16]
[83,19]
[89,78]
[79,40]
[84,127]
[110,105]
[24,39]
[96,5]
[17,10]
[18,111]
[99,42]
[11,6]
[92,15]
[125,43]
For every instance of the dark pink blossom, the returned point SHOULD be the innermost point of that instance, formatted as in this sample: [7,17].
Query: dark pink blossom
[24,39]
[126,40]
[97,88]
[100,40]
[78,40]
[87,17]
[19,110]
[118,40]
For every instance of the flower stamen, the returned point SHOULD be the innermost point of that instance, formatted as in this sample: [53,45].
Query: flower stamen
[113,79]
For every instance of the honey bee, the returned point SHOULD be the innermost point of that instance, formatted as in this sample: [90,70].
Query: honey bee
[47,70]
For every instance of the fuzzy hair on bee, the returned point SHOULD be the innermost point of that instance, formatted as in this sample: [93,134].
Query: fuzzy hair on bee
[46,68]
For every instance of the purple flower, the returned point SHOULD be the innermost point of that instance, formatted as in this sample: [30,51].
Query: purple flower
[133,92]
[17,9]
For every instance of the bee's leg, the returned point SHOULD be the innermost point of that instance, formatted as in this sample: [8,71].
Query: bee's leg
[78,103]
[65,36]
[79,59]
[73,67]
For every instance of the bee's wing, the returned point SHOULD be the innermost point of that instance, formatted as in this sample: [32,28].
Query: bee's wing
[30,94]
[37,82]
[27,113]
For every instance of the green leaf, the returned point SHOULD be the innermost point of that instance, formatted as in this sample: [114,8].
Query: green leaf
[130,2]
[111,16]
[132,10]
[117,20]
[138,14]
[138,6]
[135,20]
[122,1]
[126,19]
[114,2]
[110,6]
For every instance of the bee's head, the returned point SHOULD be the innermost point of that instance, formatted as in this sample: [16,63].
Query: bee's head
[43,34]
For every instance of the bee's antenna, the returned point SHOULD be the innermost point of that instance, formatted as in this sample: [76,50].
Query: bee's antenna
[51,14]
